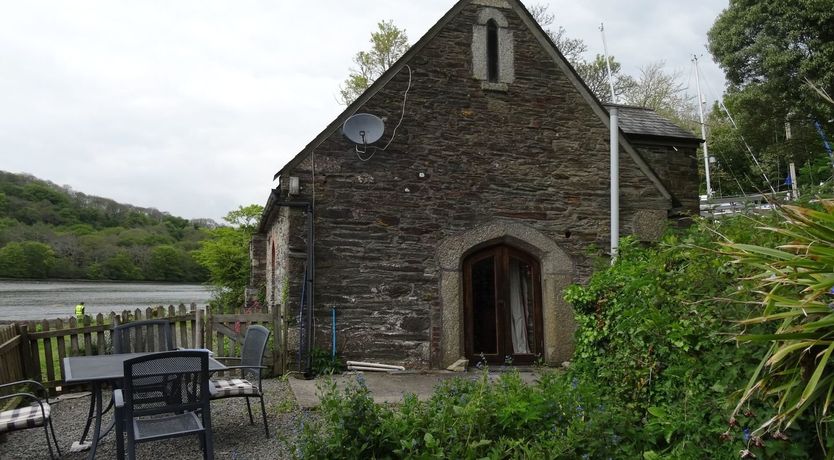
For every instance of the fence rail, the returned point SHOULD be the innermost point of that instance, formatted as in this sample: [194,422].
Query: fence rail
[11,364]
[726,206]
[36,349]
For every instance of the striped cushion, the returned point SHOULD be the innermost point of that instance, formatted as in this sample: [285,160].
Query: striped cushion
[232,387]
[23,417]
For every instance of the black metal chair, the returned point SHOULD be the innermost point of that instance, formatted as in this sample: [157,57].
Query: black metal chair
[37,413]
[143,336]
[180,407]
[251,359]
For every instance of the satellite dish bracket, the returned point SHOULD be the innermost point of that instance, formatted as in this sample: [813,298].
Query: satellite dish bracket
[363,129]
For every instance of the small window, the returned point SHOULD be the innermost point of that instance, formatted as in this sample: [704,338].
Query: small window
[492,51]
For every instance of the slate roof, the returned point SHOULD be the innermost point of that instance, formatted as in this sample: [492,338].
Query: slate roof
[641,121]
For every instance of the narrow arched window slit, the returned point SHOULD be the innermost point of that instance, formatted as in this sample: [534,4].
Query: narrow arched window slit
[492,51]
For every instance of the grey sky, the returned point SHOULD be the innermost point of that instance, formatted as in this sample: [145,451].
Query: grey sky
[190,106]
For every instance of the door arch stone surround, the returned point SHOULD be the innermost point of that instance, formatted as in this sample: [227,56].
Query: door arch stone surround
[557,272]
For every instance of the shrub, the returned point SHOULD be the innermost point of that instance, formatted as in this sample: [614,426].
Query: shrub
[470,418]
[796,282]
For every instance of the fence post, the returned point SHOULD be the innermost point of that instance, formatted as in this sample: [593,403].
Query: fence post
[198,329]
[26,352]
[209,329]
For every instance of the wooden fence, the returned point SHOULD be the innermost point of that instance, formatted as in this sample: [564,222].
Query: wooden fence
[11,365]
[36,349]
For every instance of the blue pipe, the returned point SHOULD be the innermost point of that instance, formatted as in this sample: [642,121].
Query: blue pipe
[824,141]
[333,324]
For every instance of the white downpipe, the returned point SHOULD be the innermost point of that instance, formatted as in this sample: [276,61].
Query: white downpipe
[615,182]
[615,155]
[794,185]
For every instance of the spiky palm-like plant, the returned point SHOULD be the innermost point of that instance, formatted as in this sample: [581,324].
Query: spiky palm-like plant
[795,283]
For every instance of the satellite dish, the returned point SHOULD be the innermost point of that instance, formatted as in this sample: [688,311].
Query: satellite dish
[363,128]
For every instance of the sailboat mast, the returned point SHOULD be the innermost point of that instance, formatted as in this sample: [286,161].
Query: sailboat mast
[703,126]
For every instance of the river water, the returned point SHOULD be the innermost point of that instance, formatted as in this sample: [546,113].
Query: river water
[28,300]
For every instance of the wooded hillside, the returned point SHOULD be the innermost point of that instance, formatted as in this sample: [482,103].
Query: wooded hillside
[49,231]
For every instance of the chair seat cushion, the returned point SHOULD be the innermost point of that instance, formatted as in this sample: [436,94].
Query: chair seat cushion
[232,387]
[23,417]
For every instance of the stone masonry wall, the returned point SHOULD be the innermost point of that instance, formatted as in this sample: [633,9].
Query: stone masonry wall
[535,154]
[258,259]
[678,169]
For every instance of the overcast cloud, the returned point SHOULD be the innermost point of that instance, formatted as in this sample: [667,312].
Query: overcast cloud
[191,106]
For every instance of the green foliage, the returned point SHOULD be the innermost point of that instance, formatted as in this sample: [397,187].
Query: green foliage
[120,267]
[324,363]
[772,53]
[468,419]
[225,255]
[796,280]
[169,263]
[760,122]
[595,74]
[26,260]
[388,43]
[777,46]
[90,237]
[658,324]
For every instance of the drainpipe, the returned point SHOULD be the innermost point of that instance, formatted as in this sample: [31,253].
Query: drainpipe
[615,183]
[311,264]
[615,156]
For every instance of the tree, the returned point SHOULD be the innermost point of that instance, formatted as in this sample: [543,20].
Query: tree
[26,260]
[120,267]
[388,44]
[778,46]
[662,92]
[225,255]
[595,75]
[571,48]
[760,124]
[166,264]
[245,218]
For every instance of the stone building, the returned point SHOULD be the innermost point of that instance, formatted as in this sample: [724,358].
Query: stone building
[455,234]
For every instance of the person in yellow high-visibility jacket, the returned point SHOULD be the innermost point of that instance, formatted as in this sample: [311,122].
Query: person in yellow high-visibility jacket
[79,311]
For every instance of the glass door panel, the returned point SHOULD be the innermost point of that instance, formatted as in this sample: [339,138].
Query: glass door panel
[484,308]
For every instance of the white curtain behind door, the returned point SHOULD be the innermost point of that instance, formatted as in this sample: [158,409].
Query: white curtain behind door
[518,307]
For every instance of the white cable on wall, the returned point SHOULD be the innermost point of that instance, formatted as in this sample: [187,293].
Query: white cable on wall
[394,133]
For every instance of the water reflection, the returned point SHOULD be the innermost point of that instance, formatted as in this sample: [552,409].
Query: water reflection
[56,299]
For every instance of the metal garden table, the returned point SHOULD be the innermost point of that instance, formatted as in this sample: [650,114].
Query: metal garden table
[100,370]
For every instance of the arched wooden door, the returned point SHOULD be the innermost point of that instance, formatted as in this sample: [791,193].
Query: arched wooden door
[502,306]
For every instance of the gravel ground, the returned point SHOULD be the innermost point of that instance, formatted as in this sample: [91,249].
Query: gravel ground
[234,437]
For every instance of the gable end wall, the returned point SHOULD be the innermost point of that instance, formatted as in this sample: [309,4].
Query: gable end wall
[534,155]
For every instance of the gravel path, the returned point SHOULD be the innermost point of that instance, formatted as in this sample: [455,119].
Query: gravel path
[234,437]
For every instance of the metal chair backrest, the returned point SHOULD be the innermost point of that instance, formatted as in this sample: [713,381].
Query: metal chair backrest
[184,383]
[143,336]
[254,345]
